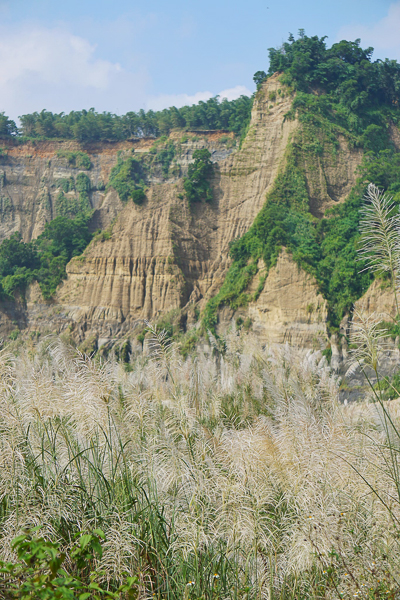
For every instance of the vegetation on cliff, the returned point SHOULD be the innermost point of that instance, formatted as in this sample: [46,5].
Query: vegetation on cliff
[77,159]
[343,73]
[44,259]
[87,126]
[127,178]
[339,92]
[197,183]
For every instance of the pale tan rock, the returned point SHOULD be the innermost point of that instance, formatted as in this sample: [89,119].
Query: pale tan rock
[164,255]
[290,308]
[162,252]
[331,176]
[379,299]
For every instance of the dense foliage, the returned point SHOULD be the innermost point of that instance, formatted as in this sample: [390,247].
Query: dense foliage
[345,71]
[87,126]
[164,155]
[127,178]
[341,84]
[42,260]
[77,159]
[197,183]
[7,127]
[38,573]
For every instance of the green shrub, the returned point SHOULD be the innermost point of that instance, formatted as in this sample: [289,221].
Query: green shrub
[138,195]
[70,207]
[127,178]
[141,336]
[83,184]
[328,354]
[197,184]
[103,235]
[38,572]
[43,260]
[188,342]
[79,160]
[66,184]
[164,157]
[389,387]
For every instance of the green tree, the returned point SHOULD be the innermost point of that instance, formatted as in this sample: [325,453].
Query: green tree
[7,127]
[259,77]
[127,178]
[197,183]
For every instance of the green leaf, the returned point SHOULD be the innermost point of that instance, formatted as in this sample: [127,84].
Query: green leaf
[84,540]
[100,533]
[95,586]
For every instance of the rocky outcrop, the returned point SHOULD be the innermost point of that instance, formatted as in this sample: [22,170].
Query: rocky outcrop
[378,299]
[30,176]
[290,307]
[331,175]
[165,255]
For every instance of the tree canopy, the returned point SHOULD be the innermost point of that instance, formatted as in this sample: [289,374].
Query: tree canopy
[88,126]
[345,71]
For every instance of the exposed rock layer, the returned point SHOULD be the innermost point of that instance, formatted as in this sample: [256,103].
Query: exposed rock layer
[164,255]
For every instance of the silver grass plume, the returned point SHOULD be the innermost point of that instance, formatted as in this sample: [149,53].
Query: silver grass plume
[369,341]
[162,349]
[380,231]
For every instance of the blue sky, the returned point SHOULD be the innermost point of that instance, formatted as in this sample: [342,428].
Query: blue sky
[124,55]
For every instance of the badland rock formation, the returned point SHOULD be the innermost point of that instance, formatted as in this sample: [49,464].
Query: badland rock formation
[163,256]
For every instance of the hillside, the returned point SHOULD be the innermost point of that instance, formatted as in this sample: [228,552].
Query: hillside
[274,247]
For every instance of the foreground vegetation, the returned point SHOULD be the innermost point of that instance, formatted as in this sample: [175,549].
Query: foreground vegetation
[235,476]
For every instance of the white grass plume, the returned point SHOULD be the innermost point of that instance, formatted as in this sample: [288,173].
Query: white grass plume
[379,227]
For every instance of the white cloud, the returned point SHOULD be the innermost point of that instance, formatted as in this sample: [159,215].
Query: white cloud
[53,69]
[236,92]
[178,100]
[55,56]
[382,35]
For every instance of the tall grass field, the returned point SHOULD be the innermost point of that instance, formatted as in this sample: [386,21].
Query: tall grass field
[233,475]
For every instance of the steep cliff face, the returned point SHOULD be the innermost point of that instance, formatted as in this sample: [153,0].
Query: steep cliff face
[331,176]
[165,255]
[30,177]
[290,307]
[379,298]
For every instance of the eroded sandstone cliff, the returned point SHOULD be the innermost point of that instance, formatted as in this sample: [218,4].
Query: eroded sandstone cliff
[165,255]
